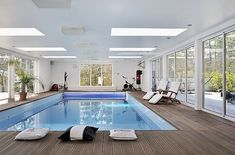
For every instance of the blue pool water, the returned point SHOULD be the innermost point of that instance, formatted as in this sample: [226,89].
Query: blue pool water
[98,112]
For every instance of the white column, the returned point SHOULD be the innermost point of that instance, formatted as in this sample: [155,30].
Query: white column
[11,79]
[147,76]
[198,74]
[36,73]
[164,67]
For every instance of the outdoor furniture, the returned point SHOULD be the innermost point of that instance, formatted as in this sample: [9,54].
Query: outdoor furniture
[230,96]
[168,95]
[161,87]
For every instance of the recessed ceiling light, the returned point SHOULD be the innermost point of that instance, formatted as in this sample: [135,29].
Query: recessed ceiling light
[73,30]
[41,49]
[20,32]
[125,57]
[131,49]
[59,57]
[146,32]
[133,53]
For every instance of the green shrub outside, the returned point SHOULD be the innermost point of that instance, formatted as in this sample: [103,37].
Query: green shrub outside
[215,84]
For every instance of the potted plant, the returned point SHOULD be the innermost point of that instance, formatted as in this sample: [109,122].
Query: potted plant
[25,79]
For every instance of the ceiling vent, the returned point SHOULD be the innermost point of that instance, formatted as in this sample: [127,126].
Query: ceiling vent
[84,44]
[52,3]
[73,30]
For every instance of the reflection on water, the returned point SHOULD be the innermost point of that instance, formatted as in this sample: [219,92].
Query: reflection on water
[105,114]
[27,123]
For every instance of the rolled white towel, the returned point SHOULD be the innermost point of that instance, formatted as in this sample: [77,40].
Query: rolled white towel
[123,134]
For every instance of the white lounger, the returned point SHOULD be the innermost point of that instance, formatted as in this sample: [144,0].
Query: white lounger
[149,95]
[171,93]
[155,98]
[161,87]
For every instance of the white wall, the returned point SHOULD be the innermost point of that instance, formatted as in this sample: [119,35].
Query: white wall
[43,71]
[146,77]
[123,67]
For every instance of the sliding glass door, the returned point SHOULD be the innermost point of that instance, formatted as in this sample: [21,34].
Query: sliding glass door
[4,91]
[181,69]
[219,74]
[171,67]
[159,75]
[230,74]
[156,72]
[154,84]
[190,77]
[180,73]
[213,67]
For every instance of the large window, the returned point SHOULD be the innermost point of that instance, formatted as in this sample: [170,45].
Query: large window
[213,66]
[230,74]
[107,74]
[219,74]
[4,91]
[85,75]
[157,74]
[181,69]
[154,83]
[190,61]
[27,65]
[96,75]
[171,67]
[180,73]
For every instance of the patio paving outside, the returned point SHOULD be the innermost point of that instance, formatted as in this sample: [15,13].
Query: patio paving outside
[213,102]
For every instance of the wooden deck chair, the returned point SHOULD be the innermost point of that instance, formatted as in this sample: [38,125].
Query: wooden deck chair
[168,95]
[161,87]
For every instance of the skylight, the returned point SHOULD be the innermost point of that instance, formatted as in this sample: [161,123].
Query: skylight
[59,57]
[41,49]
[125,57]
[20,32]
[146,32]
[132,49]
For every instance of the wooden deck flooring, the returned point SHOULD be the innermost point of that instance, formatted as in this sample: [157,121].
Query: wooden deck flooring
[199,133]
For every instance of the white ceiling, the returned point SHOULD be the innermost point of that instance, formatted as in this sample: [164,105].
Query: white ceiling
[98,17]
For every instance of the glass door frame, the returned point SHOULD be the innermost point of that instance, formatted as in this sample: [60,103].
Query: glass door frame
[153,74]
[224,110]
[185,49]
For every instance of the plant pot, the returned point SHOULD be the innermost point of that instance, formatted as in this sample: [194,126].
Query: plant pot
[23,96]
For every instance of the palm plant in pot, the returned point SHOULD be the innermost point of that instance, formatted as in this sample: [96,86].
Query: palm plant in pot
[25,79]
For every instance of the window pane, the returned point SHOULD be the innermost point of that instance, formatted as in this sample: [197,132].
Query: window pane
[107,74]
[190,76]
[230,74]
[3,78]
[180,73]
[84,75]
[96,75]
[159,75]
[154,84]
[30,69]
[171,67]
[213,60]
[17,85]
